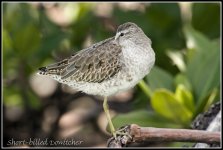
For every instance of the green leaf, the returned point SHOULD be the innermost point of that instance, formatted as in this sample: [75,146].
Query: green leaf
[210,24]
[166,104]
[33,101]
[184,96]
[27,39]
[20,21]
[143,118]
[177,59]
[207,101]
[203,70]
[196,40]
[211,98]
[7,43]
[159,78]
[182,79]
[49,43]
[12,96]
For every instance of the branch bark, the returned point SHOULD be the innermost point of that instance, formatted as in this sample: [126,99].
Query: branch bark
[142,134]
[177,135]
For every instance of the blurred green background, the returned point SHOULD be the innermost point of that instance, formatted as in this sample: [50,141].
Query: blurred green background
[184,82]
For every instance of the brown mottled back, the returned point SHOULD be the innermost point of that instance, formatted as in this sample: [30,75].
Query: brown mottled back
[89,65]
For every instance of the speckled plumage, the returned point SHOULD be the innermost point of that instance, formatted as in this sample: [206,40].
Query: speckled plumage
[107,67]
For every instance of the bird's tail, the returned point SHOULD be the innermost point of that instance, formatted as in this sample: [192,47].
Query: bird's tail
[53,69]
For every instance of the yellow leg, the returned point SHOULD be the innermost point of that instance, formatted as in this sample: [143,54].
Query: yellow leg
[106,109]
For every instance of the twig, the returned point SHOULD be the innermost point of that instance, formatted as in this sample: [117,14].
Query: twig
[168,135]
[142,134]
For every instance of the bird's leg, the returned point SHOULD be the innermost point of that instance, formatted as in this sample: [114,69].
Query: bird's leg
[106,109]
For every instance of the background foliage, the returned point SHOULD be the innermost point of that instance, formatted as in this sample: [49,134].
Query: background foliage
[184,82]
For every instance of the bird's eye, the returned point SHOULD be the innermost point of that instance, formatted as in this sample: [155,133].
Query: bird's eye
[122,34]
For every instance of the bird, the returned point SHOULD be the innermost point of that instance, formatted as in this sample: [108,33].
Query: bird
[108,67]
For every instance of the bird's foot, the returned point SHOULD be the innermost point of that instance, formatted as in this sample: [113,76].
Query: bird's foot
[124,131]
[121,136]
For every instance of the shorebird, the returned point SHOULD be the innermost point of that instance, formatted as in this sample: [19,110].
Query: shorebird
[107,67]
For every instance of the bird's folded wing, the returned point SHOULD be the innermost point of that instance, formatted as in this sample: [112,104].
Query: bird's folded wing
[94,64]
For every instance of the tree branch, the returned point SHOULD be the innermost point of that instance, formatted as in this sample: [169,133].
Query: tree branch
[142,134]
[168,135]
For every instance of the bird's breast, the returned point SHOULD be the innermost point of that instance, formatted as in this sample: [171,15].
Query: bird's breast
[138,59]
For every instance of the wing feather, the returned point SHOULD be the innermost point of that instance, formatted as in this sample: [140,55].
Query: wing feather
[94,64]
